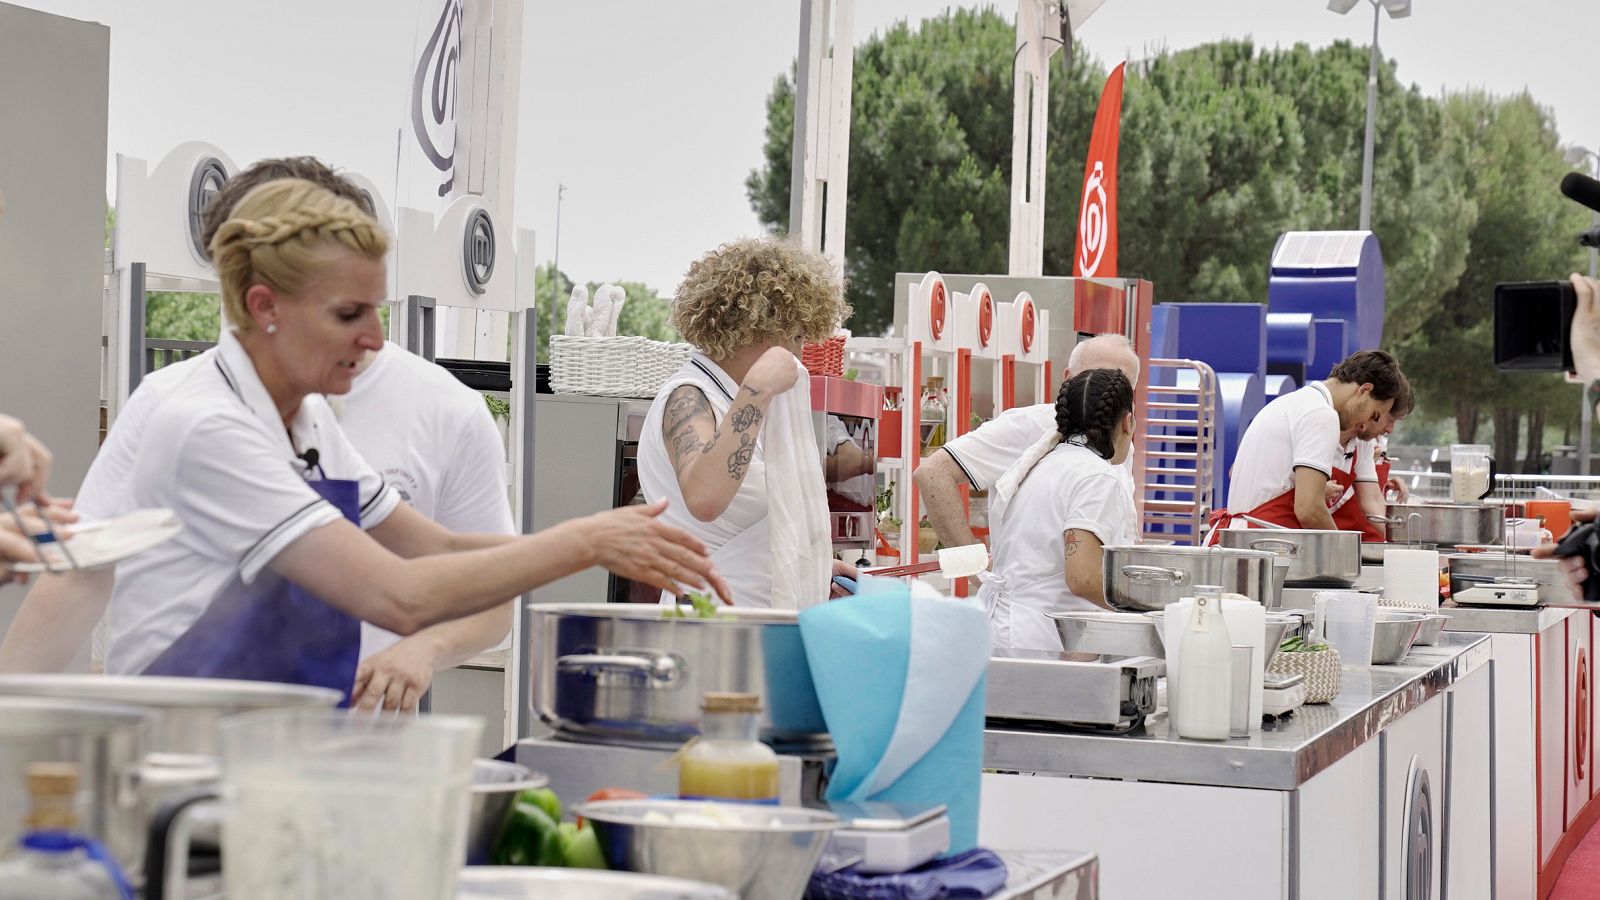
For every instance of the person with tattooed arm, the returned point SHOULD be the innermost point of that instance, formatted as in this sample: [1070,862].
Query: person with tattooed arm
[712,436]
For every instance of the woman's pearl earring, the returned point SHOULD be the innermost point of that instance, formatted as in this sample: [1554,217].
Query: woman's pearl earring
[272,329]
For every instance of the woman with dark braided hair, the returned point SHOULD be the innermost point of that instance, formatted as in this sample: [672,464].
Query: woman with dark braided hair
[1056,508]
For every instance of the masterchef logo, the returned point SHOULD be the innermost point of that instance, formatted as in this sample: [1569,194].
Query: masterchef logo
[1092,222]
[936,310]
[433,94]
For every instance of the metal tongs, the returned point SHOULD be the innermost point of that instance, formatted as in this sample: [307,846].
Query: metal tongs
[43,541]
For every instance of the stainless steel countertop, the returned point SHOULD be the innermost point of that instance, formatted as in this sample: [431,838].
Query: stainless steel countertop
[1285,755]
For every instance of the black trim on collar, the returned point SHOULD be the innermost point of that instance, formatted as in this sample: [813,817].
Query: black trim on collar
[712,375]
[221,367]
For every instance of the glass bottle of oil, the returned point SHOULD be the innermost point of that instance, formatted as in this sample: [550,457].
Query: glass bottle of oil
[729,762]
[934,412]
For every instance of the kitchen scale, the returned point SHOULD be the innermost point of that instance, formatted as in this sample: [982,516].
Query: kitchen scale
[1499,593]
[885,838]
[1282,694]
[1080,691]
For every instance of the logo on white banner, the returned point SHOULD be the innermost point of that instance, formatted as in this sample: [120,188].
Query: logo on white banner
[433,94]
[1092,221]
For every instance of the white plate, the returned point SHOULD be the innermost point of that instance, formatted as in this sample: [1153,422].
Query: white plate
[95,545]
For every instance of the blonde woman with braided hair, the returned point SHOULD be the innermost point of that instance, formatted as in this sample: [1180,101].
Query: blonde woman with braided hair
[1054,511]
[290,539]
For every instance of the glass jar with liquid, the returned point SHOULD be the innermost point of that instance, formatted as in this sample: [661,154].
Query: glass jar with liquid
[728,760]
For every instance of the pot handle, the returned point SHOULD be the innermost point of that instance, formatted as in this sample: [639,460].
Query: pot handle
[1276,545]
[166,868]
[661,667]
[1158,574]
[1385,520]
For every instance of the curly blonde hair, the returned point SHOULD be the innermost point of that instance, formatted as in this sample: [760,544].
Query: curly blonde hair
[279,235]
[758,290]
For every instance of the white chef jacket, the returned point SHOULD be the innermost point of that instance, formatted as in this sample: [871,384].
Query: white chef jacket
[739,539]
[1071,487]
[433,440]
[1362,457]
[985,453]
[1300,428]
[214,450]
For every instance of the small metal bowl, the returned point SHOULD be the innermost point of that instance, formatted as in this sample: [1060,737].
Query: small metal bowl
[1279,626]
[1393,634]
[495,786]
[1432,627]
[761,852]
[1112,633]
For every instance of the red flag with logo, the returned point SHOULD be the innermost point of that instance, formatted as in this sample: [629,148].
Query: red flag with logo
[1097,216]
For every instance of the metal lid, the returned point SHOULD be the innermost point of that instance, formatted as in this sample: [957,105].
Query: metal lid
[731,703]
[28,717]
[150,690]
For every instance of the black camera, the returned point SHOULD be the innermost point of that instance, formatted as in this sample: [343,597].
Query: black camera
[1533,326]
[1584,542]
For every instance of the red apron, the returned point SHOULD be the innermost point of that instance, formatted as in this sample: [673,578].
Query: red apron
[1350,516]
[1279,511]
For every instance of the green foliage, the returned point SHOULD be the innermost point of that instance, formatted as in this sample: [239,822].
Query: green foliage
[498,407]
[182,316]
[1223,147]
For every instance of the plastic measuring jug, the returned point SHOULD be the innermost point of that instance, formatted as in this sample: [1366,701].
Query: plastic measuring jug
[1472,472]
[321,803]
[1346,620]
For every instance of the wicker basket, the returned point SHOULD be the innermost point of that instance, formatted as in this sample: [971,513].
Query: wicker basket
[612,366]
[1320,668]
[824,358]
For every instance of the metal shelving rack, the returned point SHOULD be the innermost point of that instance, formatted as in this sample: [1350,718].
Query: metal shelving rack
[1179,429]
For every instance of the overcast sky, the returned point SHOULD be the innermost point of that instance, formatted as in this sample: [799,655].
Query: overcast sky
[652,113]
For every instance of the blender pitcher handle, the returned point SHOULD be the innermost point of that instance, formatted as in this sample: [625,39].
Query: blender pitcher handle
[1494,473]
[166,874]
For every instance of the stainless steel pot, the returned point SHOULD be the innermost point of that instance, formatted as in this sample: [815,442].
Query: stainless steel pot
[1319,558]
[1445,524]
[181,735]
[624,673]
[105,741]
[190,707]
[1140,578]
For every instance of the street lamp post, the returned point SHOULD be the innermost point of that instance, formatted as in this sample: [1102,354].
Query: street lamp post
[555,269]
[1397,9]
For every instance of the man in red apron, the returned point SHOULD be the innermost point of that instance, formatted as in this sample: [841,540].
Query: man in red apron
[1291,449]
[1361,481]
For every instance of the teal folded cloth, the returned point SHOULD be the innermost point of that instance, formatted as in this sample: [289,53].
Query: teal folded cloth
[900,679]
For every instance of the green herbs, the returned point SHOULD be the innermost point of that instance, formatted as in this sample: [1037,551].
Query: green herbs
[704,606]
[1298,644]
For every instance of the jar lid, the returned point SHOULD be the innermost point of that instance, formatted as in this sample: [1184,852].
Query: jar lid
[52,778]
[731,703]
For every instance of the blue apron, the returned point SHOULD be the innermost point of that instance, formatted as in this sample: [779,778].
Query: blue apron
[272,629]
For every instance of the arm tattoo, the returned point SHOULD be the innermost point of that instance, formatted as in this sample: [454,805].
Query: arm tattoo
[685,408]
[739,459]
[745,417]
[1072,544]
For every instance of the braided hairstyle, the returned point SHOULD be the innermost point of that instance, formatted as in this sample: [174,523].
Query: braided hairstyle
[280,235]
[1090,406]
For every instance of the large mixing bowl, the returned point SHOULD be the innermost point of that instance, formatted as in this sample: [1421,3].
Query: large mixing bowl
[1113,633]
[495,786]
[627,674]
[534,883]
[105,741]
[761,852]
[1393,634]
[1140,578]
[1279,627]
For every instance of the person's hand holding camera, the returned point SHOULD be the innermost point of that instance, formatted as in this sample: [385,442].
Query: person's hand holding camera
[1585,338]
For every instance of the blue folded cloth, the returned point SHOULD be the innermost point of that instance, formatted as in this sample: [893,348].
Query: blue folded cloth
[967,876]
[900,679]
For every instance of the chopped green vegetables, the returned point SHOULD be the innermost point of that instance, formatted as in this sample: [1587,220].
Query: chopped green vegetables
[1298,644]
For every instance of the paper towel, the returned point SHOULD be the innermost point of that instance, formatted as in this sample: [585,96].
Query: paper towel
[618,298]
[1411,576]
[577,312]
